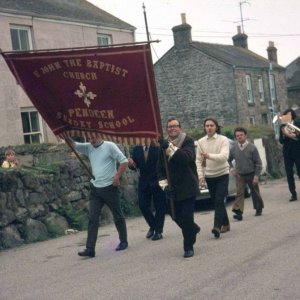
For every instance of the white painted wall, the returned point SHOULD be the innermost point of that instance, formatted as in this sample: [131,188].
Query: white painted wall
[262,152]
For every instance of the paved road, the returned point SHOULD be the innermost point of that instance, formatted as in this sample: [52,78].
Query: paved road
[258,259]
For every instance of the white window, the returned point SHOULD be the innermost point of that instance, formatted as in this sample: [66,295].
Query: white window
[252,120]
[103,40]
[32,126]
[249,89]
[272,87]
[261,89]
[20,38]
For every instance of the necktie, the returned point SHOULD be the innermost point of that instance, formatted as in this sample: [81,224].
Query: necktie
[146,150]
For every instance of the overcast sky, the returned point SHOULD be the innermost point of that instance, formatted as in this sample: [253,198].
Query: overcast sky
[215,21]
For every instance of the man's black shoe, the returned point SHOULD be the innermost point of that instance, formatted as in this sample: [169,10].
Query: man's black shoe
[150,233]
[188,253]
[216,232]
[195,236]
[157,236]
[258,212]
[237,211]
[87,252]
[238,217]
[122,246]
[293,198]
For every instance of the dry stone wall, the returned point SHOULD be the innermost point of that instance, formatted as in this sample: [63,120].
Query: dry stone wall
[37,203]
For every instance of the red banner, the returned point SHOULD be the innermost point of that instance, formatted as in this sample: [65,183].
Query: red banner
[107,91]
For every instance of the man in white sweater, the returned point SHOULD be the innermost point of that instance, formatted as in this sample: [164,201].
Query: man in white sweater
[213,168]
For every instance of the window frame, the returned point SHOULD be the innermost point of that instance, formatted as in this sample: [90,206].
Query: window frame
[273,94]
[29,110]
[261,92]
[252,121]
[250,98]
[264,118]
[27,29]
[101,36]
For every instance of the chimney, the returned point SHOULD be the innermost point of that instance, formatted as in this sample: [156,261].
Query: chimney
[240,39]
[182,34]
[272,52]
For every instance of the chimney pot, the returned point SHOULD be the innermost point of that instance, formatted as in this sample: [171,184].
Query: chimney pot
[272,52]
[183,18]
[182,34]
[240,39]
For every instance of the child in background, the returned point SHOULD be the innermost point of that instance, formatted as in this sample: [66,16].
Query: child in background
[10,159]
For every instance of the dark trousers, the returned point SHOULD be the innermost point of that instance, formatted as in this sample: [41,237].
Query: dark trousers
[241,181]
[146,195]
[184,218]
[110,196]
[289,162]
[218,189]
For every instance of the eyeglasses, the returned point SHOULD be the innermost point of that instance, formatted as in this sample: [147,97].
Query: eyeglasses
[172,126]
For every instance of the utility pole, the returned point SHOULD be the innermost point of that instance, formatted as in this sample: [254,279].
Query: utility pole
[272,107]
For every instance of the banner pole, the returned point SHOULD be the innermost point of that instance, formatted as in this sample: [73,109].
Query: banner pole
[70,144]
[165,160]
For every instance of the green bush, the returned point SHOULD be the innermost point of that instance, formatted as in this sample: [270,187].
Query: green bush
[77,218]
[129,209]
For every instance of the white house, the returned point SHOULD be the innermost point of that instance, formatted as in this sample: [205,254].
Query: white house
[46,24]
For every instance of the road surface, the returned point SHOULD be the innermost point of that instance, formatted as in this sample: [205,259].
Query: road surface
[258,259]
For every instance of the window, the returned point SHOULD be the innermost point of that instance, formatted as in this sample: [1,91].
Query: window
[252,120]
[264,119]
[32,125]
[103,40]
[261,89]
[21,38]
[272,87]
[249,89]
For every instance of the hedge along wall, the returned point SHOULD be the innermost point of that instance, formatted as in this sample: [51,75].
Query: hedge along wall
[49,194]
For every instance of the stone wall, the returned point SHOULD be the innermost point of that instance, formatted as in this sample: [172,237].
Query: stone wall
[192,86]
[273,150]
[39,202]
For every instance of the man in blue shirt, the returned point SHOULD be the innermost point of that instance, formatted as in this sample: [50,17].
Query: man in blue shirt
[104,156]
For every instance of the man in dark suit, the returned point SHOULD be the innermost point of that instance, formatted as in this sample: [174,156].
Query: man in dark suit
[180,152]
[291,149]
[144,161]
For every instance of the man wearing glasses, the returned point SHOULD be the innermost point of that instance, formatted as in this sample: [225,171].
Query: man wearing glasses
[183,184]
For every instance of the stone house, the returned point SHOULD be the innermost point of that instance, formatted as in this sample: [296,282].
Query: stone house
[46,24]
[293,84]
[237,86]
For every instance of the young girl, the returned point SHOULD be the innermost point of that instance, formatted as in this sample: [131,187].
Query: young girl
[10,160]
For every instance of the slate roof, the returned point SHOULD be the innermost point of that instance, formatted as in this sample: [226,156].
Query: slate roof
[66,10]
[233,55]
[293,74]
